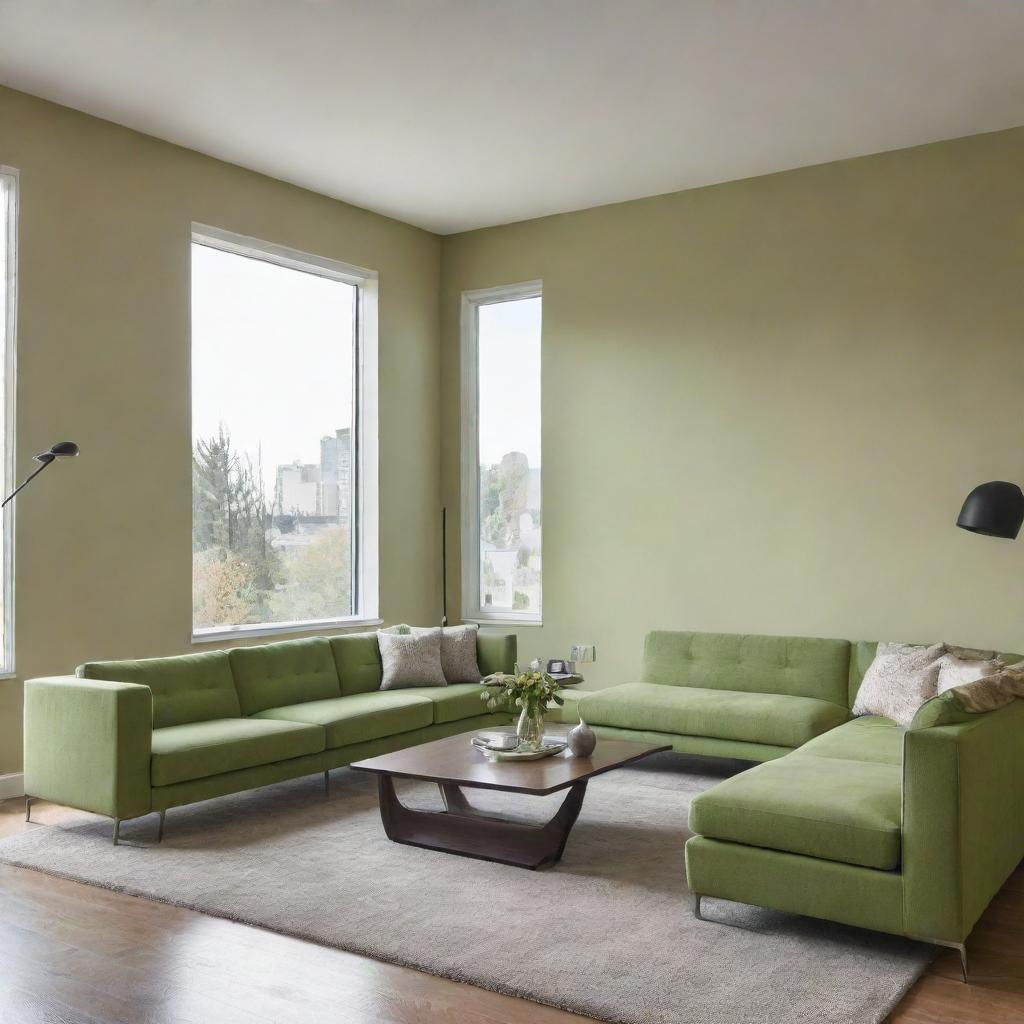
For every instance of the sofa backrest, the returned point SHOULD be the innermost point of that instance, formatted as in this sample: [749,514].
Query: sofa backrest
[357,657]
[186,688]
[289,672]
[792,665]
[247,680]
[862,653]
[357,661]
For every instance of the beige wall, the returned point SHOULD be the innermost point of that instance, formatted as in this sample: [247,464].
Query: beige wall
[103,545]
[765,401]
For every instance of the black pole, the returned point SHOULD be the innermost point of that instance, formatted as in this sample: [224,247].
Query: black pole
[24,483]
[444,566]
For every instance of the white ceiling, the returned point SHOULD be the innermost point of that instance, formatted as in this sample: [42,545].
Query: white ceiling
[455,114]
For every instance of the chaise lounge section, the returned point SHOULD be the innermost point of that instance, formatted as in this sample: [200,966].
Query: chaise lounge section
[128,738]
[857,820]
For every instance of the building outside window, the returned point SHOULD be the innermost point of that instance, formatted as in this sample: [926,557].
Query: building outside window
[283,407]
[501,353]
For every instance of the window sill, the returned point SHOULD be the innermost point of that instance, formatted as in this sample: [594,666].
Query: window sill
[212,636]
[501,620]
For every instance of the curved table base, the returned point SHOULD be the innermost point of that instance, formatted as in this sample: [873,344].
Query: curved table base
[462,829]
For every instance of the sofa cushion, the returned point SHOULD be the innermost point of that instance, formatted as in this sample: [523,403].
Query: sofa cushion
[186,688]
[274,675]
[458,653]
[899,680]
[200,749]
[825,807]
[496,652]
[719,714]
[357,658]
[360,716]
[453,702]
[870,738]
[794,665]
[411,659]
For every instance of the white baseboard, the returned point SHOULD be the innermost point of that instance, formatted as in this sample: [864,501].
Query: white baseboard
[12,785]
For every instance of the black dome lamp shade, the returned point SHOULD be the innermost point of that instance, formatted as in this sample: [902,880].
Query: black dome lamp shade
[60,450]
[995,509]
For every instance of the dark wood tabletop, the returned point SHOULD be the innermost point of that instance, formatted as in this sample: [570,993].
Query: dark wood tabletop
[454,760]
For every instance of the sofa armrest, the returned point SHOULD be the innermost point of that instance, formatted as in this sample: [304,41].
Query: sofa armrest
[963,819]
[496,652]
[87,744]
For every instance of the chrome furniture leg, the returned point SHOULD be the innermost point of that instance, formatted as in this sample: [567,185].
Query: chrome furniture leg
[960,947]
[160,827]
[29,800]
[327,783]
[117,831]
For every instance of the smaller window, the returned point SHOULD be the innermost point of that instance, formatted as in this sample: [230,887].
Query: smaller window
[501,352]
[8,304]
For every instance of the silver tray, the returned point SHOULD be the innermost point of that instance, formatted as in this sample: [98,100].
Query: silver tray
[548,750]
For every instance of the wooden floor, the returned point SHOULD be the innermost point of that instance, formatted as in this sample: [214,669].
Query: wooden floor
[76,954]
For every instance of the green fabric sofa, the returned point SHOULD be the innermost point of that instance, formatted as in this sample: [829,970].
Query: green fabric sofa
[127,738]
[908,831]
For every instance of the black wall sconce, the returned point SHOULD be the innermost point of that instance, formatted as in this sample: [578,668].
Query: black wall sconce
[995,509]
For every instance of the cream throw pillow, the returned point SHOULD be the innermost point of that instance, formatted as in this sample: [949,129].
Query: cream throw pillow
[955,671]
[899,680]
[411,659]
[992,691]
[458,653]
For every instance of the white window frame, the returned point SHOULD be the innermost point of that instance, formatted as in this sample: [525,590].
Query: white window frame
[365,516]
[10,179]
[471,303]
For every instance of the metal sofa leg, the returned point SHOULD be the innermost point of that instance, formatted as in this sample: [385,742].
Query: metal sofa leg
[29,800]
[160,827]
[327,783]
[117,831]
[962,948]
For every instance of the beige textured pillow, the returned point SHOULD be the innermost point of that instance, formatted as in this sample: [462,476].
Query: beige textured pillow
[411,659]
[458,653]
[900,679]
[992,691]
[955,671]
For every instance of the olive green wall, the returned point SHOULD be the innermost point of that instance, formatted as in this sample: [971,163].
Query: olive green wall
[104,541]
[765,401]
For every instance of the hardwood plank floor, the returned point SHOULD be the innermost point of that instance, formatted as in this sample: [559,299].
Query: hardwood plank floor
[76,954]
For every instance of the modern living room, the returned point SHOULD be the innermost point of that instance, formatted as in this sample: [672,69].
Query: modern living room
[510,512]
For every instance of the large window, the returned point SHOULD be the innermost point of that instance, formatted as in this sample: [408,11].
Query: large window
[8,297]
[501,557]
[284,523]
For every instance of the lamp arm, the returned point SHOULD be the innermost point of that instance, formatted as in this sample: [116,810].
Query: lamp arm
[24,483]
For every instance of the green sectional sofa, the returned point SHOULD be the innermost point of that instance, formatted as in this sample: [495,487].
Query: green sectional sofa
[128,738]
[908,831]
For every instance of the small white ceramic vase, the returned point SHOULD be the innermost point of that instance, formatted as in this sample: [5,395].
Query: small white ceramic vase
[582,740]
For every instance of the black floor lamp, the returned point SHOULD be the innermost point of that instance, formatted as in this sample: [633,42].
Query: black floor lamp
[61,450]
[995,509]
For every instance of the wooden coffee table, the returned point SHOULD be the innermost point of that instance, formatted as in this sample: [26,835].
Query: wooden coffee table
[454,764]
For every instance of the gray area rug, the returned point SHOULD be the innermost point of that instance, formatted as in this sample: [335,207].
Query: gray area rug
[608,932]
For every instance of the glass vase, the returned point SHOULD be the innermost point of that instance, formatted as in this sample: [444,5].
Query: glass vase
[530,728]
